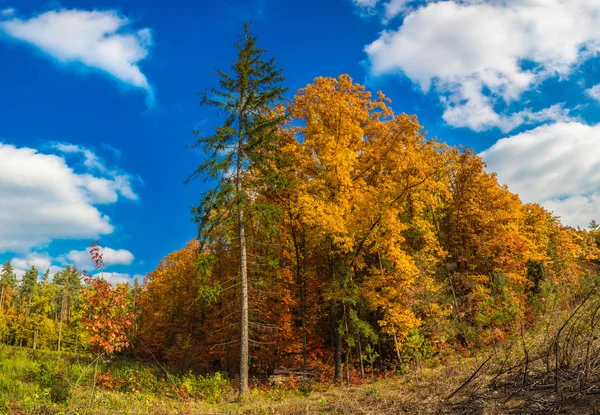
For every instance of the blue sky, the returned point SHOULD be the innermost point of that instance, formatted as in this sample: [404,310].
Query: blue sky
[98,102]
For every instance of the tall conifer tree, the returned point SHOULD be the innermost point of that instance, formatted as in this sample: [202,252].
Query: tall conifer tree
[245,97]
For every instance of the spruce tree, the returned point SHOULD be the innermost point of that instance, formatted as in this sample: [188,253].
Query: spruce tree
[245,97]
[8,282]
[28,285]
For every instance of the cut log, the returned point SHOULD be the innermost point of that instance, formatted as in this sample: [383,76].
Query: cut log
[283,376]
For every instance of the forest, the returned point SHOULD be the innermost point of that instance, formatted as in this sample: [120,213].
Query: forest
[339,245]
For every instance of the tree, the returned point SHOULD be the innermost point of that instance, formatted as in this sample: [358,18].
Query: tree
[355,167]
[109,317]
[68,282]
[235,149]
[42,306]
[8,283]
[27,289]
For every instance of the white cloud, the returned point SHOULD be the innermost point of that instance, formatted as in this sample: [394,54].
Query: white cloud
[100,189]
[594,92]
[556,165]
[115,277]
[365,3]
[7,12]
[19,272]
[43,198]
[99,39]
[39,260]
[395,7]
[110,257]
[478,54]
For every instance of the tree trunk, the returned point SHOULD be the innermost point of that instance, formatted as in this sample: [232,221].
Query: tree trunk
[243,276]
[348,365]
[397,349]
[381,363]
[301,284]
[360,358]
[60,324]
[348,351]
[337,347]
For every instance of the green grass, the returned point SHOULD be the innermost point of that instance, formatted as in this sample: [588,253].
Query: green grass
[42,382]
[45,382]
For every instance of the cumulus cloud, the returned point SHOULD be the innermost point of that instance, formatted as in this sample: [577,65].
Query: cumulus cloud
[103,40]
[594,92]
[116,277]
[39,260]
[43,199]
[110,257]
[100,189]
[556,165]
[477,55]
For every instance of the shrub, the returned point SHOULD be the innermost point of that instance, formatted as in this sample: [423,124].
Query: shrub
[210,388]
[60,391]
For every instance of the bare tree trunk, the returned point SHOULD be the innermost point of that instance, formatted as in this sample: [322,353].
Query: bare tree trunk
[301,283]
[60,324]
[304,337]
[348,365]
[454,299]
[348,351]
[397,349]
[381,363]
[360,358]
[2,300]
[243,275]
[337,347]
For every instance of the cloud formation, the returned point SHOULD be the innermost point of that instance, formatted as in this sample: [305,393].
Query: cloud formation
[118,277]
[103,40]
[110,257]
[556,165]
[39,260]
[481,55]
[101,189]
[44,198]
[594,92]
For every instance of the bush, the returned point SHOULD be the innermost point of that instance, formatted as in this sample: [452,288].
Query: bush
[210,388]
[60,391]
[54,381]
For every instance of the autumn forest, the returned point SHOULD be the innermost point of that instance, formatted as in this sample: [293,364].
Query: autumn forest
[339,242]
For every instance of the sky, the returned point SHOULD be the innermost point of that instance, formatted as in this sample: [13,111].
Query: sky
[98,102]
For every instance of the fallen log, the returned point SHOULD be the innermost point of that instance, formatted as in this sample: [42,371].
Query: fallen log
[284,376]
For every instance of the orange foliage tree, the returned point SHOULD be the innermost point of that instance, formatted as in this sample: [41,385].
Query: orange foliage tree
[109,315]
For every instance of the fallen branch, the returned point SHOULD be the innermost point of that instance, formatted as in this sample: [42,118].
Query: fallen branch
[468,380]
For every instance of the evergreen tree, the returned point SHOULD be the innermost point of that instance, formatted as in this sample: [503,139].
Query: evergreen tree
[68,283]
[28,285]
[8,282]
[46,277]
[40,324]
[27,290]
[237,147]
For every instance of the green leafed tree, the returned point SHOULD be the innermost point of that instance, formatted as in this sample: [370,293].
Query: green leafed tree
[245,97]
[27,290]
[68,283]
